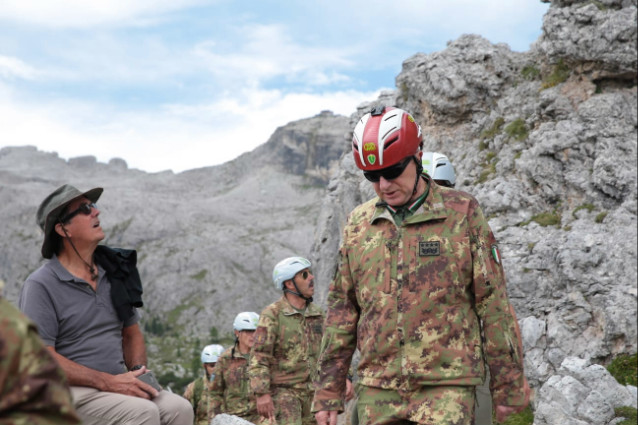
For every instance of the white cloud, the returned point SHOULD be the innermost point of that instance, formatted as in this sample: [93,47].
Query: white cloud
[260,52]
[88,14]
[179,137]
[14,67]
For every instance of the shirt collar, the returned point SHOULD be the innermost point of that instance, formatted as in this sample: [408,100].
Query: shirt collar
[64,275]
[428,206]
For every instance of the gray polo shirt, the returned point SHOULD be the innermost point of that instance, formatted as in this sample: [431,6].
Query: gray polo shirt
[80,323]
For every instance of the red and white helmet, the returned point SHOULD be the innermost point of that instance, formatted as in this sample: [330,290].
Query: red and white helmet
[383,137]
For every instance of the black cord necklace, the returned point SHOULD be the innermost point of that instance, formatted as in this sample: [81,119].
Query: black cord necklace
[91,267]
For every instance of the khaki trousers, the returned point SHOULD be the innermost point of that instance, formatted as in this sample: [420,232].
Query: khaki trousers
[103,408]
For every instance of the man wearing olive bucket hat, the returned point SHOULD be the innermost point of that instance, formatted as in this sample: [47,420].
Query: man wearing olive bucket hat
[84,301]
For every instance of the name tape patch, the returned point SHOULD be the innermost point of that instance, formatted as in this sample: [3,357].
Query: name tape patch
[429,249]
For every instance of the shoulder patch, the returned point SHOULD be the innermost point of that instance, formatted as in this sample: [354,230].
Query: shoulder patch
[496,254]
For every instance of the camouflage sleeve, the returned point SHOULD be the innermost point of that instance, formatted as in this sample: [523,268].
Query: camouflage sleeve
[262,352]
[33,388]
[216,389]
[502,346]
[339,339]
[188,393]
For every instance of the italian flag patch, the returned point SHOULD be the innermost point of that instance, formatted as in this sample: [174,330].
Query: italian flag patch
[496,254]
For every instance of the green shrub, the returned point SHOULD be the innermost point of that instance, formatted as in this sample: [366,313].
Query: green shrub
[588,207]
[624,368]
[517,129]
[560,74]
[530,72]
[489,167]
[600,217]
[629,413]
[545,219]
[491,132]
[526,417]
[199,275]
[600,5]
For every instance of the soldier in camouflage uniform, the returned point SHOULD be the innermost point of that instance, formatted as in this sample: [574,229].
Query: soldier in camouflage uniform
[33,388]
[230,390]
[198,392]
[419,271]
[287,340]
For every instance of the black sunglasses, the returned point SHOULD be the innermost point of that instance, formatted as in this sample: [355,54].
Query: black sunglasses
[305,274]
[389,173]
[84,208]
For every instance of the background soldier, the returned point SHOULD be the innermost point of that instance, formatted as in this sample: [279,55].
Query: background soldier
[198,391]
[230,390]
[287,340]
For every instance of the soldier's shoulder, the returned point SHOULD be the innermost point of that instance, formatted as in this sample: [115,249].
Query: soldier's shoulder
[227,353]
[363,211]
[314,310]
[13,323]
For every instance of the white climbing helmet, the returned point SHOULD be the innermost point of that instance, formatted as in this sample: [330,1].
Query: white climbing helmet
[246,321]
[439,167]
[287,269]
[211,353]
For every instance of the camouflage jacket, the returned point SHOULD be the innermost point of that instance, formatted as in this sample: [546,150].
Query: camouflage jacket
[230,390]
[33,388]
[286,347]
[198,395]
[411,299]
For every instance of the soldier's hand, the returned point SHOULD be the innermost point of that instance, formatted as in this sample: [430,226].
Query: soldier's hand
[326,417]
[265,406]
[128,384]
[349,390]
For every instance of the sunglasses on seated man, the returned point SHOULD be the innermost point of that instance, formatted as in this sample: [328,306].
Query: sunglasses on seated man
[84,208]
[389,173]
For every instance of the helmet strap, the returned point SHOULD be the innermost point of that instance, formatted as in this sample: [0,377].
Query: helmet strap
[419,170]
[298,293]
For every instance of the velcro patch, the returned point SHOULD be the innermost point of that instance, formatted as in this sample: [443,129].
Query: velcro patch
[429,249]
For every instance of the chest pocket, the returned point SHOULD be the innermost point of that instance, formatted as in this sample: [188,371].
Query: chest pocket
[438,266]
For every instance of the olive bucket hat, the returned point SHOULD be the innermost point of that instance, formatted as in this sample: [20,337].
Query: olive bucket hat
[51,208]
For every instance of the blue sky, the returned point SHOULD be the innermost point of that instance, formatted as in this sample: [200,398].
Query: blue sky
[181,84]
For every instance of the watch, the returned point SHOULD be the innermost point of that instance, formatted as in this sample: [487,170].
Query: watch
[136,367]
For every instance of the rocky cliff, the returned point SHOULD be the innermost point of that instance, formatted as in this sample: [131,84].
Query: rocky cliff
[546,140]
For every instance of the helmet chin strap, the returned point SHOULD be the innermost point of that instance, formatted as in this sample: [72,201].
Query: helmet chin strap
[298,293]
[419,170]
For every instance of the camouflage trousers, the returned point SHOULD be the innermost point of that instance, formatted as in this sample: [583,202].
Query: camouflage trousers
[292,406]
[441,405]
